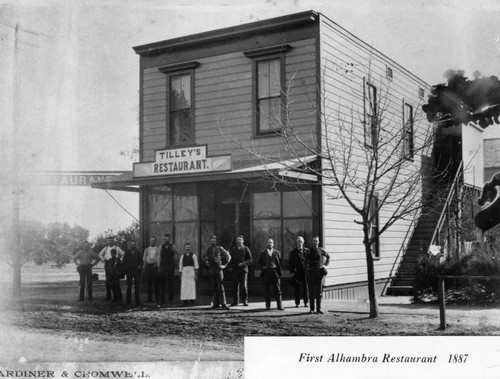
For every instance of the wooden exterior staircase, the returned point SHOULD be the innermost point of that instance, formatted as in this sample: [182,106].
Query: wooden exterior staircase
[426,233]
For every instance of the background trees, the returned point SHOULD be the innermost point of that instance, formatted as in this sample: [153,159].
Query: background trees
[57,242]
[122,237]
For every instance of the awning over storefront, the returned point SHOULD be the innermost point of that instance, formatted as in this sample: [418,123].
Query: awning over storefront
[293,169]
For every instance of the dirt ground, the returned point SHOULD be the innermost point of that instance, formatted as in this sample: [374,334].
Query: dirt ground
[48,324]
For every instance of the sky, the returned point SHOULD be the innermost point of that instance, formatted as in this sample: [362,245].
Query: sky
[79,77]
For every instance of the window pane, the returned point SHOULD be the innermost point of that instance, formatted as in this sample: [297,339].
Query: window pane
[263,79]
[158,230]
[264,229]
[297,204]
[269,114]
[265,122]
[266,205]
[292,229]
[372,99]
[180,94]
[160,204]
[185,203]
[186,232]
[180,127]
[274,78]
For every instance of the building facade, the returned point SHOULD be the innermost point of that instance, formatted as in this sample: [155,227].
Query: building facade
[214,157]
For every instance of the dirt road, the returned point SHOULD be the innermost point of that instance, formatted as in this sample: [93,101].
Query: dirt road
[48,324]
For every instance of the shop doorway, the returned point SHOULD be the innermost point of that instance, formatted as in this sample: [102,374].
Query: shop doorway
[233,220]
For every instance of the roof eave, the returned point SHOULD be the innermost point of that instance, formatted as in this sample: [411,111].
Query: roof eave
[230,32]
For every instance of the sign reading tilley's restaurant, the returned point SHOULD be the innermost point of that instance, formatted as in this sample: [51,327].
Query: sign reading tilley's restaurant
[185,160]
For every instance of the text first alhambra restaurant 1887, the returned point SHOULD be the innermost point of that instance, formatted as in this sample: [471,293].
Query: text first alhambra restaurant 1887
[193,182]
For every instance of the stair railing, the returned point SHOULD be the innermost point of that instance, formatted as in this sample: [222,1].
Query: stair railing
[436,237]
[399,258]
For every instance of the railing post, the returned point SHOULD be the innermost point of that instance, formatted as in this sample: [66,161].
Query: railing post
[441,299]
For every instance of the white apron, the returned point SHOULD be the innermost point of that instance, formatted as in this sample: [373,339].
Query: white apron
[188,284]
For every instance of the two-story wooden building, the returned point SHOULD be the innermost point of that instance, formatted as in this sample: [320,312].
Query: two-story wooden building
[207,103]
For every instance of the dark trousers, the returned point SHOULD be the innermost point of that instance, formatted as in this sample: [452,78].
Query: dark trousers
[217,286]
[271,281]
[151,273]
[166,280]
[108,274]
[240,280]
[136,278]
[315,280]
[85,272]
[300,287]
[116,289]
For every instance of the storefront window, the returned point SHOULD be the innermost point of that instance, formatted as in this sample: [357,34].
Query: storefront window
[159,229]
[266,205]
[297,204]
[291,230]
[186,232]
[264,229]
[160,204]
[185,203]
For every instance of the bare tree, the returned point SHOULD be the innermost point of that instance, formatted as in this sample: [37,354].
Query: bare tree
[369,158]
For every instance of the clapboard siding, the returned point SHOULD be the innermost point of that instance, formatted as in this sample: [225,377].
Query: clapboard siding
[223,101]
[346,64]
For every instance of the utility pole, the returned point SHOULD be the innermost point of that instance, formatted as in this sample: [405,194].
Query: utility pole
[15,248]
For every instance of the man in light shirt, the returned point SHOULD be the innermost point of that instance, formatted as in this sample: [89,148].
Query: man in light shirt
[105,256]
[151,267]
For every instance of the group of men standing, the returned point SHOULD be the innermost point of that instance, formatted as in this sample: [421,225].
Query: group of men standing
[157,264]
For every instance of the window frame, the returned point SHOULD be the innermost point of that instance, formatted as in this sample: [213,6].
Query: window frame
[277,52]
[421,92]
[408,132]
[370,119]
[171,71]
[389,72]
[257,100]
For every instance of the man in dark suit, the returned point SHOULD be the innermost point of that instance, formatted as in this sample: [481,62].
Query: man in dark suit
[241,258]
[297,266]
[316,261]
[270,262]
[167,269]
[132,264]
[217,258]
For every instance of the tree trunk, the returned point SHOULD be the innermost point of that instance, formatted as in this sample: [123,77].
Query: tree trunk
[372,296]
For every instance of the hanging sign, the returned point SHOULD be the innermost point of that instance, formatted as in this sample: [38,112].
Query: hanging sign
[180,161]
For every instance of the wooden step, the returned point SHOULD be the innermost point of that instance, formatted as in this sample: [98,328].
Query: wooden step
[400,291]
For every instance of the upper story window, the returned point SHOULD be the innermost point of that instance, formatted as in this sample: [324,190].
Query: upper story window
[371,117]
[268,87]
[389,72]
[421,92]
[180,104]
[180,120]
[269,109]
[408,145]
